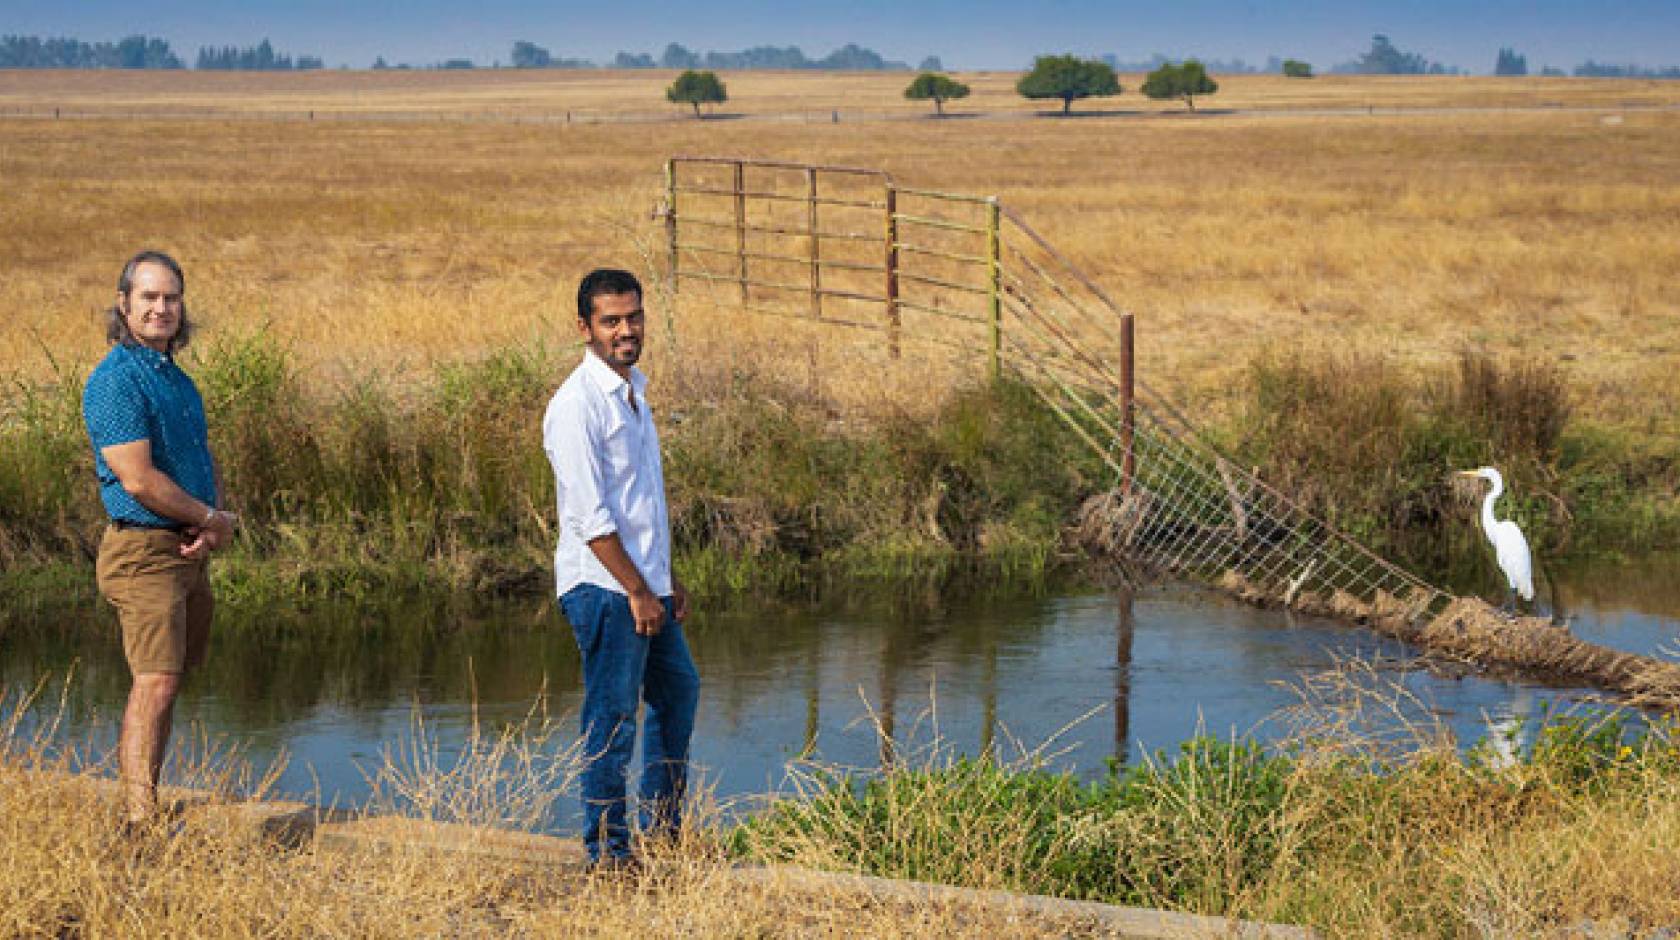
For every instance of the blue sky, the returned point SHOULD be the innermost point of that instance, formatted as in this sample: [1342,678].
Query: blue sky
[966,34]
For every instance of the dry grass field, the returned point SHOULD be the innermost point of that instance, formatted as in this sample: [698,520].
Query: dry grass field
[592,94]
[391,244]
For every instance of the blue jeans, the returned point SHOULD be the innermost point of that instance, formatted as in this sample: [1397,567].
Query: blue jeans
[620,666]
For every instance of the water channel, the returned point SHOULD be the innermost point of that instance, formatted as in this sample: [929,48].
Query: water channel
[1080,675]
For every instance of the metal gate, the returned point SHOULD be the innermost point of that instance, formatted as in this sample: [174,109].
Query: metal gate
[839,245]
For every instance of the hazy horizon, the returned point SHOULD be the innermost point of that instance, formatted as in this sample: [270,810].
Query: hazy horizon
[969,35]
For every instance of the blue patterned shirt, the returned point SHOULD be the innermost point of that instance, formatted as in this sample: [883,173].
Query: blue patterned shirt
[137,393]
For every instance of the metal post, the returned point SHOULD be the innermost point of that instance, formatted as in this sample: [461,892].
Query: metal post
[671,220]
[994,261]
[741,225]
[1128,398]
[816,254]
[892,272]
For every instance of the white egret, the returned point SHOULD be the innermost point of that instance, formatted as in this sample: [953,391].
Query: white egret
[1509,546]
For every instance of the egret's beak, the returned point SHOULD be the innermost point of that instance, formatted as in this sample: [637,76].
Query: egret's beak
[1464,473]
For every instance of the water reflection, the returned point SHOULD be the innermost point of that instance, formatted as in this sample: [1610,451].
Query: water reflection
[1125,626]
[856,678]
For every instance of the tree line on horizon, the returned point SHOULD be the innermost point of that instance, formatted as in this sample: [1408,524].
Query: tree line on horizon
[140,52]
[147,52]
[850,57]
[260,57]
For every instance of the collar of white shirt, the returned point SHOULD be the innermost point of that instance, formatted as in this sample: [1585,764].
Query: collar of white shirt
[609,382]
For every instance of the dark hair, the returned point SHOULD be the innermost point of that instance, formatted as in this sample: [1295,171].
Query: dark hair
[116,324]
[604,281]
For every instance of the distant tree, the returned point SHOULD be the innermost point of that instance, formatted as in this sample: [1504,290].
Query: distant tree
[1069,78]
[1295,68]
[932,86]
[1509,63]
[931,64]
[379,63]
[1384,59]
[453,64]
[308,62]
[696,88]
[678,57]
[761,57]
[1552,71]
[529,55]
[853,57]
[1180,81]
[639,60]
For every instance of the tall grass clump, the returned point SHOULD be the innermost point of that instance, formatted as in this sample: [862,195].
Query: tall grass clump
[767,476]
[1371,445]
[46,468]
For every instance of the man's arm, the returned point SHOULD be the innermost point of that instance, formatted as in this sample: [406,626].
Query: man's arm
[577,470]
[644,604]
[151,488]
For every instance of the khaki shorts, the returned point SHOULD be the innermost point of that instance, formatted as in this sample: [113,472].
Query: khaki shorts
[163,600]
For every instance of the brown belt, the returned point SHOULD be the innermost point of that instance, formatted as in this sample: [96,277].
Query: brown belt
[125,525]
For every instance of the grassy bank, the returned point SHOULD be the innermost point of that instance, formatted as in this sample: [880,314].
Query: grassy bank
[435,481]
[1360,826]
[65,871]
[1350,835]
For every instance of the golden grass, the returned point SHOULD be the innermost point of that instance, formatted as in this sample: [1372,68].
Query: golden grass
[386,245]
[64,873]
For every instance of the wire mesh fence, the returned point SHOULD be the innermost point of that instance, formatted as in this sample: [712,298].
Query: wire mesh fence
[1179,505]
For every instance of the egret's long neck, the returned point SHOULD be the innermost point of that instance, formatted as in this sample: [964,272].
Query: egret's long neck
[1487,505]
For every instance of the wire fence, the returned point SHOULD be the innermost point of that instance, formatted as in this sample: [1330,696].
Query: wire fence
[796,240]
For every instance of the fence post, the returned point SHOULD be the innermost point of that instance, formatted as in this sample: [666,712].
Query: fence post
[1128,398]
[741,225]
[671,220]
[994,261]
[892,271]
[816,254]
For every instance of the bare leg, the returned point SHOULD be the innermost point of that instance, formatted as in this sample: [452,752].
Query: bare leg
[144,740]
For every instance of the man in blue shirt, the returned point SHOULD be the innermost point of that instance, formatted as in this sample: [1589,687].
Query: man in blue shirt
[160,486]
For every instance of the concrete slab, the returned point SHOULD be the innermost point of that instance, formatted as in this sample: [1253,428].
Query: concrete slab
[1132,923]
[397,834]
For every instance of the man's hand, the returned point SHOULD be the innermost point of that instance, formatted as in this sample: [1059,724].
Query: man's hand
[216,533]
[648,611]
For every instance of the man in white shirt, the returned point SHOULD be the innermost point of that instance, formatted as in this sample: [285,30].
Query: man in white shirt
[613,574]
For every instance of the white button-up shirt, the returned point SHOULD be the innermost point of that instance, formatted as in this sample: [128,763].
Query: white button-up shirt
[607,477]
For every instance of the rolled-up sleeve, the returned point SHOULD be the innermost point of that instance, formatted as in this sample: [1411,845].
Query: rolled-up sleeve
[579,482]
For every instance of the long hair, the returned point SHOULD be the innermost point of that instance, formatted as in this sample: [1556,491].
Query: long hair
[116,325]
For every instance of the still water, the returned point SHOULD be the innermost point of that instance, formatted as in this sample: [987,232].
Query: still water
[1078,676]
